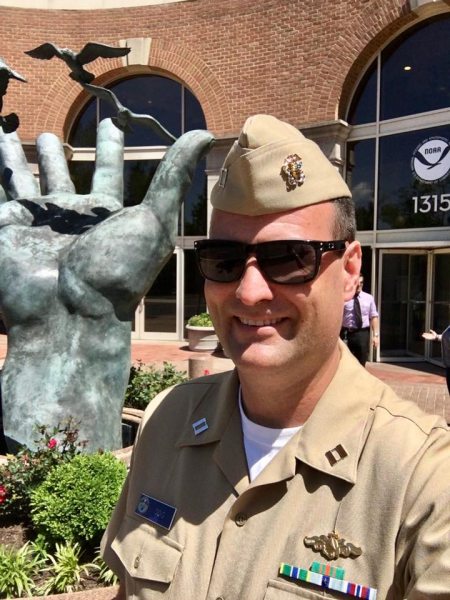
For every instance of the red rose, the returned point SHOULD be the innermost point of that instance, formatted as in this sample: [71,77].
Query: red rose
[52,443]
[2,494]
[206,372]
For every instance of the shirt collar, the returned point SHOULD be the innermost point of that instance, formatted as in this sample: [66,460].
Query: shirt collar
[337,426]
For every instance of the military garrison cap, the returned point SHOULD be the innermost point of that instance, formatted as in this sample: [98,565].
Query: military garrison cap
[272,168]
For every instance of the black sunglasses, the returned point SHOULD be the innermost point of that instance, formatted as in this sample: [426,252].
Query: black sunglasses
[281,261]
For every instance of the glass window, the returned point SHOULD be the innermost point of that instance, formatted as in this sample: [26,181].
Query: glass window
[154,95]
[84,131]
[414,70]
[361,180]
[138,175]
[194,297]
[81,173]
[195,204]
[160,302]
[366,268]
[412,167]
[364,104]
[441,300]
[414,179]
[194,117]
[403,305]
[178,110]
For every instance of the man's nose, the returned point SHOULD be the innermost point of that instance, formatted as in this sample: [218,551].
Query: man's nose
[253,286]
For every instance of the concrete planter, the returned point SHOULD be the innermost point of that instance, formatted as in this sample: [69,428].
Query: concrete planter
[100,593]
[202,339]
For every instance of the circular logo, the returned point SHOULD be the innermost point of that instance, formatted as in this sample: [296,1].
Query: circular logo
[143,505]
[431,160]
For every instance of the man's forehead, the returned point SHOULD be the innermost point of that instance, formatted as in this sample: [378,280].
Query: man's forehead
[313,218]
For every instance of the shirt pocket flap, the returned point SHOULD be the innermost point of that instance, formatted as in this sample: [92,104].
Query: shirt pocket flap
[145,553]
[281,590]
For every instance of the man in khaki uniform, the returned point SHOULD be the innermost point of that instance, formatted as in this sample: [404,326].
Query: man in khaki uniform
[298,475]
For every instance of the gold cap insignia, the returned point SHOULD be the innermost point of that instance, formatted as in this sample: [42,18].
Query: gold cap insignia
[331,546]
[293,169]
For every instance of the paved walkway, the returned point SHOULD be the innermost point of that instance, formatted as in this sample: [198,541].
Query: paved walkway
[421,382]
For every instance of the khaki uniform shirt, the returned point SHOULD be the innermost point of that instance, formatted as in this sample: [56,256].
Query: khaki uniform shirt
[388,495]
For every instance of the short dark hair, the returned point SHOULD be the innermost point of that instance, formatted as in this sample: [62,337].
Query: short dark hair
[344,226]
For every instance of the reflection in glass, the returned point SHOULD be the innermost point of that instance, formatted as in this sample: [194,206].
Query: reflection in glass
[159,97]
[153,95]
[441,304]
[194,297]
[403,305]
[398,187]
[366,268]
[161,300]
[84,132]
[364,104]
[193,113]
[137,177]
[425,85]
[81,173]
[361,180]
[195,203]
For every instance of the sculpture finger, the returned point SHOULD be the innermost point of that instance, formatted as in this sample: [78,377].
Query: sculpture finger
[175,172]
[17,179]
[53,168]
[108,174]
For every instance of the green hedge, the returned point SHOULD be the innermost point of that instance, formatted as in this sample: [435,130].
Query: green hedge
[74,503]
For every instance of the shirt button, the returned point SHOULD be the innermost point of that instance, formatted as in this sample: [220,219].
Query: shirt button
[240,519]
[136,562]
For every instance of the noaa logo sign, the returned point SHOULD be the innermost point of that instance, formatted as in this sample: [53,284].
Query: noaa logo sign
[431,160]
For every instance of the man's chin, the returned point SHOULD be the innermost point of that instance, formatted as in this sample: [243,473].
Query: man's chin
[254,356]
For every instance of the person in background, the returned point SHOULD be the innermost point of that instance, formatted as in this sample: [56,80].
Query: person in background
[360,315]
[444,338]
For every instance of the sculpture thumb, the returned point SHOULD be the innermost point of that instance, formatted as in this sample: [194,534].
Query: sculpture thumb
[176,170]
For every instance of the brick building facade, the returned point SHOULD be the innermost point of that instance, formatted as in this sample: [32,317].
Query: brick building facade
[299,60]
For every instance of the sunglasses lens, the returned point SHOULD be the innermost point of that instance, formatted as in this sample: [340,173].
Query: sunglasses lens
[287,262]
[223,262]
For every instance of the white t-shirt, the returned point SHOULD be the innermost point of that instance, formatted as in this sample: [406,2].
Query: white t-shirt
[262,443]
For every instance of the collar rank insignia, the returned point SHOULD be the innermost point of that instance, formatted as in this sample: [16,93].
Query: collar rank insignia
[332,546]
[293,170]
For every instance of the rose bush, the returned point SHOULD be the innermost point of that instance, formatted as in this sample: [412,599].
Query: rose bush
[28,468]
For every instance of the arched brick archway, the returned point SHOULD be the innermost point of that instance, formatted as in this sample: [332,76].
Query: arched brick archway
[65,98]
[365,35]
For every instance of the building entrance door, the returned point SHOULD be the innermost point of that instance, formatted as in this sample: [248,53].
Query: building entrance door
[157,314]
[440,302]
[404,291]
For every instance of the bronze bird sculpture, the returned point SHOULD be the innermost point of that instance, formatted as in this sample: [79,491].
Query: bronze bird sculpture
[125,115]
[76,60]
[5,75]
[10,122]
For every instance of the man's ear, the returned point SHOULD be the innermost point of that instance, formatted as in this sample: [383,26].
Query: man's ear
[352,269]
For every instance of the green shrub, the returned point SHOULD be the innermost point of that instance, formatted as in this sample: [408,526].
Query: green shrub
[104,573]
[201,320]
[17,569]
[66,571]
[76,500]
[28,468]
[147,382]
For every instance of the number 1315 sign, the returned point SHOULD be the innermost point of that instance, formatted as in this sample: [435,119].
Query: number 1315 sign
[434,203]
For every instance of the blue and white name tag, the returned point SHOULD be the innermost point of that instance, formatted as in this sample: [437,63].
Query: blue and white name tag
[155,511]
